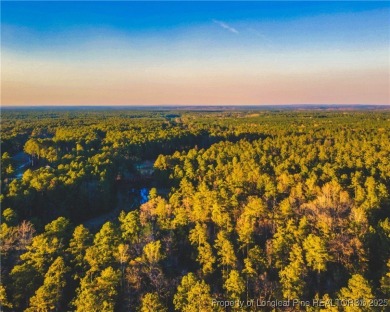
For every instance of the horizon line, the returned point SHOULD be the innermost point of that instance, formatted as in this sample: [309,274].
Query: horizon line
[188,105]
[265,104]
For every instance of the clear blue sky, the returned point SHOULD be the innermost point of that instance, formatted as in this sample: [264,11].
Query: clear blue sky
[136,16]
[195,52]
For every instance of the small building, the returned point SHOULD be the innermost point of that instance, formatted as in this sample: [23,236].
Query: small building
[145,168]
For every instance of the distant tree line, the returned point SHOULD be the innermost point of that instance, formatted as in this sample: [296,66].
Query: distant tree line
[266,205]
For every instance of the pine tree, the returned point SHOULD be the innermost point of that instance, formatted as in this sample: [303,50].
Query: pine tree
[25,280]
[316,253]
[234,285]
[225,249]
[48,296]
[358,289]
[291,277]
[102,253]
[100,294]
[78,245]
[385,281]
[152,253]
[206,258]
[193,295]
[151,302]
[198,238]
[4,302]
[130,226]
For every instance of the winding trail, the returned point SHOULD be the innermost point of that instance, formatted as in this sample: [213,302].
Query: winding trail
[22,162]
[140,196]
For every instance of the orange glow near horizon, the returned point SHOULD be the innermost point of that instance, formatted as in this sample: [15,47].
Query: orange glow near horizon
[48,82]
[322,58]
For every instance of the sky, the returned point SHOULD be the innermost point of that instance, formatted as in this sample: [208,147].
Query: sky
[195,53]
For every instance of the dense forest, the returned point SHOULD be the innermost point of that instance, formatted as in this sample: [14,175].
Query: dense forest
[246,210]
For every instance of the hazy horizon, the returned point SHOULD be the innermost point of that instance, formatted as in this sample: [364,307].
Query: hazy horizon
[195,107]
[195,54]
